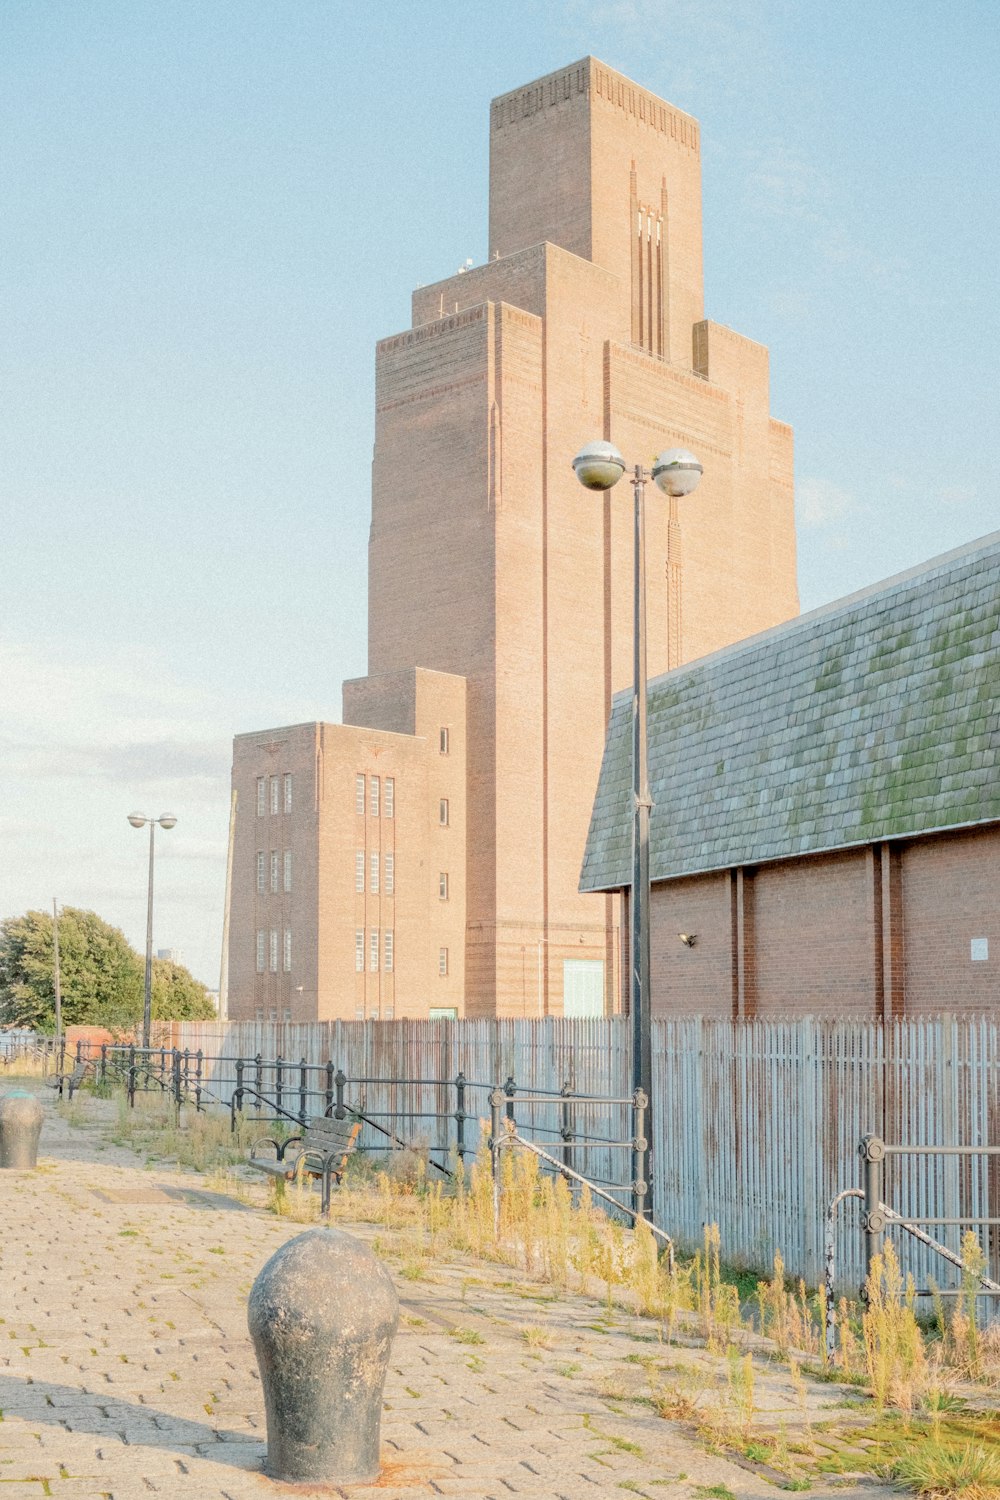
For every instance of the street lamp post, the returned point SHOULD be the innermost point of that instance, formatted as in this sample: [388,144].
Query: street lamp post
[599,466]
[139,820]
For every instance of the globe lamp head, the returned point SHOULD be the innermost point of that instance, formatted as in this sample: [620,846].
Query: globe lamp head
[599,466]
[677,472]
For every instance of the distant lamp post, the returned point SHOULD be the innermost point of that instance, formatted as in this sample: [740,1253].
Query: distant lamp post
[599,466]
[139,820]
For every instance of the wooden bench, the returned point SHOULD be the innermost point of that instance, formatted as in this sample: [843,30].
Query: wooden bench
[72,1080]
[322,1151]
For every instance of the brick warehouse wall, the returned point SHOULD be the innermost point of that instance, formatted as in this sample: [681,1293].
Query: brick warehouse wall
[819,936]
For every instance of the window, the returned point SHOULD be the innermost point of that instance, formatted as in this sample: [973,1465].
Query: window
[583,987]
[390,796]
[261,796]
[275,871]
[359,796]
[389,871]
[261,949]
[274,794]
[444,1013]
[389,946]
[287,953]
[288,791]
[374,872]
[443,812]
[443,885]
[261,872]
[288,870]
[373,950]
[388,1013]
[272,1016]
[288,1014]
[274,950]
[442,962]
[359,870]
[260,1013]
[359,950]
[443,740]
[374,787]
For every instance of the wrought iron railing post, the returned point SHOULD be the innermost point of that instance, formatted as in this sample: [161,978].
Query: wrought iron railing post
[340,1082]
[104,1062]
[279,1064]
[258,1082]
[640,1187]
[303,1092]
[496,1127]
[328,1091]
[131,1078]
[460,1118]
[198,1060]
[177,1077]
[872,1152]
[510,1089]
[566,1124]
[236,1102]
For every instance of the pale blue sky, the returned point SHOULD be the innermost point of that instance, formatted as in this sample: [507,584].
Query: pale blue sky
[211,211]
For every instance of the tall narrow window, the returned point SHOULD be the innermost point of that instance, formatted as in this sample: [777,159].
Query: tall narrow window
[359,950]
[274,950]
[359,870]
[261,950]
[442,962]
[261,872]
[390,796]
[288,871]
[275,869]
[389,871]
[443,812]
[274,794]
[359,796]
[374,786]
[288,791]
[373,950]
[261,796]
[443,885]
[373,886]
[287,953]
[444,739]
[389,947]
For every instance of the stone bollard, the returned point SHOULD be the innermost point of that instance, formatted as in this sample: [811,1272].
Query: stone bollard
[20,1126]
[323,1314]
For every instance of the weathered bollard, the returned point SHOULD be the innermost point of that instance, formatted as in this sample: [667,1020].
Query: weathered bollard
[20,1127]
[323,1315]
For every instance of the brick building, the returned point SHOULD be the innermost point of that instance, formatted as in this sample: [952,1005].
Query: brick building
[827,808]
[491,565]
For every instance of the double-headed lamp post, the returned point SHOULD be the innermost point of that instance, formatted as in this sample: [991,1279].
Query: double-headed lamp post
[676,472]
[139,820]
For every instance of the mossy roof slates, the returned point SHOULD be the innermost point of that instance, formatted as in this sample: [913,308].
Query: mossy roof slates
[874,717]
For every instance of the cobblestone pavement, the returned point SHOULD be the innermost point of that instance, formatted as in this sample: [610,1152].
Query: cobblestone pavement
[126,1369]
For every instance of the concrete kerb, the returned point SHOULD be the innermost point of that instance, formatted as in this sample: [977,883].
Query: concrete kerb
[127,1368]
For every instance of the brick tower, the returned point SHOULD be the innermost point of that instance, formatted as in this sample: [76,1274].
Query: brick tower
[487,560]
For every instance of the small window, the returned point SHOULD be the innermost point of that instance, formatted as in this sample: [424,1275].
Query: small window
[442,962]
[374,787]
[275,871]
[260,1014]
[443,812]
[359,796]
[274,950]
[274,794]
[288,791]
[390,796]
[373,950]
[374,872]
[359,950]
[288,1014]
[444,740]
[388,1013]
[389,946]
[261,950]
[272,1016]
[389,871]
[261,872]
[261,796]
[288,871]
[287,952]
[443,885]
[359,870]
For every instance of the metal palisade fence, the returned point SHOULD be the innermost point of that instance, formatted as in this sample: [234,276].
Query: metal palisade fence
[756,1124]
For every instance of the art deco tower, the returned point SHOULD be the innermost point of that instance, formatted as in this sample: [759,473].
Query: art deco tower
[489,562]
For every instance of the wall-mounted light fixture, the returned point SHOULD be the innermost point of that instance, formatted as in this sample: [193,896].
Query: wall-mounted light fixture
[688,938]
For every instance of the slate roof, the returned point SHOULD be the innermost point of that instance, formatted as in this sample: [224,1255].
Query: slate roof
[875,717]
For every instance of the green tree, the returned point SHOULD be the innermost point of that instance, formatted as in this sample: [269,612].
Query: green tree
[101,975]
[177,995]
